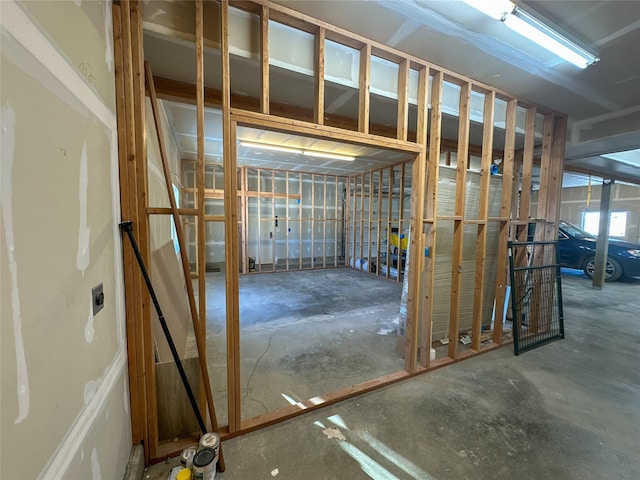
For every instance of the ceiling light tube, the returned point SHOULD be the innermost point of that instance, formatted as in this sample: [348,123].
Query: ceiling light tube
[275,148]
[331,156]
[536,31]
[496,9]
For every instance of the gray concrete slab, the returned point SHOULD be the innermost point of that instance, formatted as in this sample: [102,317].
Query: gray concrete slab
[568,410]
[303,334]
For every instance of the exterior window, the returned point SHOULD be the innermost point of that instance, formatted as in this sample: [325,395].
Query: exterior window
[617,225]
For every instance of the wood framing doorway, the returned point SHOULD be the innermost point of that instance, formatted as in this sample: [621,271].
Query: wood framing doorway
[325,220]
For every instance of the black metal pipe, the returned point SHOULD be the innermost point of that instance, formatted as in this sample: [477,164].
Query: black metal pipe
[128,229]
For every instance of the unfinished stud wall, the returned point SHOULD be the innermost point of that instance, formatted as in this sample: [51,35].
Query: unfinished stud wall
[379,219]
[65,398]
[409,110]
[292,220]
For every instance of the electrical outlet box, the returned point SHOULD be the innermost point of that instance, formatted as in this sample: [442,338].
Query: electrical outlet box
[97,294]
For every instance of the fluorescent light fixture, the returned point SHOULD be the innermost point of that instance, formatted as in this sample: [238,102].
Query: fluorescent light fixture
[331,156]
[536,31]
[308,153]
[275,148]
[496,9]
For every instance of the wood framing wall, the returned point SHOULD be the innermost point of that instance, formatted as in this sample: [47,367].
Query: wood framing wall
[366,221]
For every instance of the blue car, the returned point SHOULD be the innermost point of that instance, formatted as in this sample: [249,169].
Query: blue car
[577,249]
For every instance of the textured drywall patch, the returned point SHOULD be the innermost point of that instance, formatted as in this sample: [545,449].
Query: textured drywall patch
[108,51]
[8,126]
[84,232]
[125,395]
[89,331]
[95,465]
[96,394]
[19,25]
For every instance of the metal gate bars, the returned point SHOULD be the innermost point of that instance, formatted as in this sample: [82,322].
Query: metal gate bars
[536,294]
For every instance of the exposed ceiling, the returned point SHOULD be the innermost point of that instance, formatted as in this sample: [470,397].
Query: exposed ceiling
[182,117]
[602,102]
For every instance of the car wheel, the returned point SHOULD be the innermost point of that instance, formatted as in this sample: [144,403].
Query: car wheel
[613,269]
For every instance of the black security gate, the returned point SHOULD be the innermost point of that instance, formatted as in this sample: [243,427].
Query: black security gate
[536,294]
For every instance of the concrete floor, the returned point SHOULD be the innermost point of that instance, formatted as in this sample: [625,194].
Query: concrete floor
[303,334]
[568,410]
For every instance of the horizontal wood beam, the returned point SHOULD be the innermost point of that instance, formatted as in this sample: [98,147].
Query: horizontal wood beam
[182,92]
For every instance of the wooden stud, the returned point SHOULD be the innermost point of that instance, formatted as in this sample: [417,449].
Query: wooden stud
[324,225]
[197,324]
[416,237]
[259,221]
[364,86]
[337,223]
[354,217]
[139,150]
[313,218]
[264,58]
[458,228]
[401,218]
[362,190]
[122,48]
[403,101]
[287,225]
[527,167]
[389,220]
[319,54]
[274,250]
[379,225]
[505,214]
[370,220]
[431,195]
[483,215]
[231,212]
[244,220]
[300,222]
[201,261]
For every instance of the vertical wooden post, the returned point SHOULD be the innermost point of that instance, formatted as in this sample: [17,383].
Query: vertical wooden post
[133,20]
[201,229]
[505,215]
[430,212]
[364,85]
[324,224]
[361,218]
[418,181]
[272,224]
[318,108]
[527,167]
[129,211]
[264,59]
[483,216]
[369,222]
[458,228]
[230,231]
[286,207]
[259,221]
[401,220]
[336,223]
[300,211]
[244,220]
[313,219]
[403,102]
[379,224]
[389,220]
